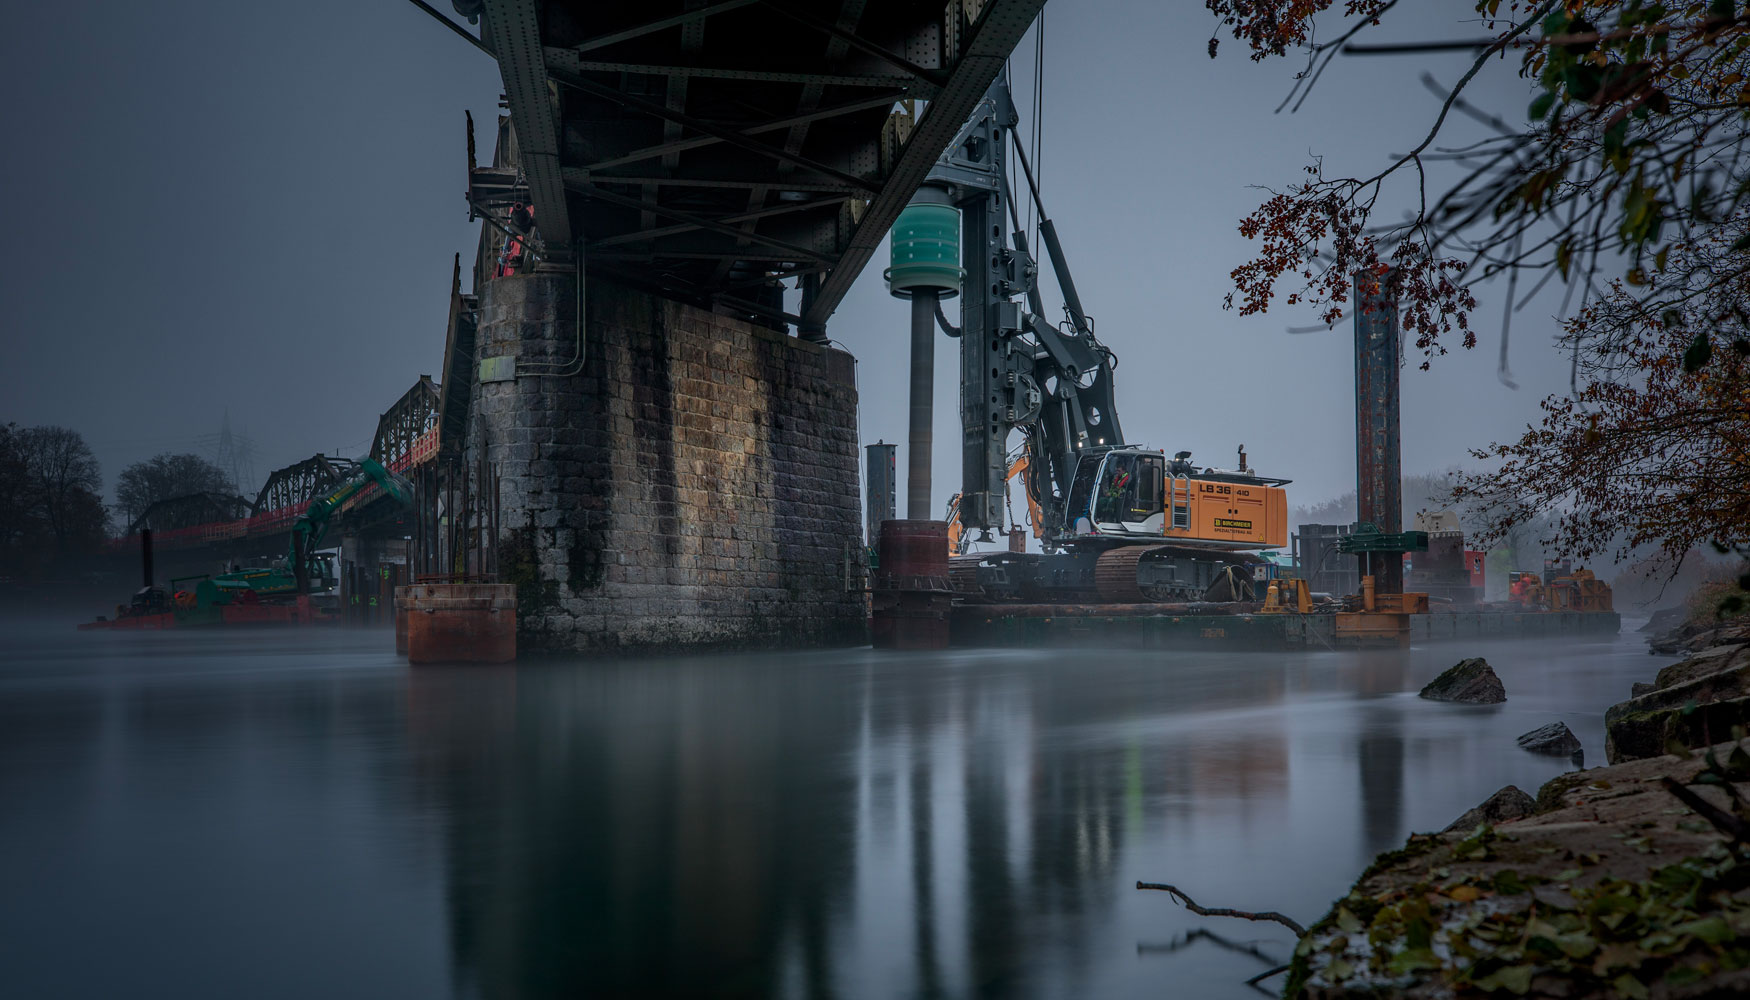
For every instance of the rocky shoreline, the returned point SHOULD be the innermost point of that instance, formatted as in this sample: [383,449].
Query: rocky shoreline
[1618,881]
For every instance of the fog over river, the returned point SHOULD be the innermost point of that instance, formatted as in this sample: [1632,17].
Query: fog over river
[299,814]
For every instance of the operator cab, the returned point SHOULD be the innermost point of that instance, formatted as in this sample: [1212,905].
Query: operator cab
[1118,491]
[1140,492]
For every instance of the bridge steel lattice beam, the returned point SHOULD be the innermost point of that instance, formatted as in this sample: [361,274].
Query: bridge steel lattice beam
[661,23]
[695,222]
[883,99]
[400,427]
[752,216]
[576,175]
[566,60]
[730,136]
[990,40]
[727,145]
[514,27]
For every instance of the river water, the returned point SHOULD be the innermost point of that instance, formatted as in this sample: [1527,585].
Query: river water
[299,814]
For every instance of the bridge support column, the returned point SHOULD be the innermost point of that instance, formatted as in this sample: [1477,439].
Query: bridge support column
[694,483]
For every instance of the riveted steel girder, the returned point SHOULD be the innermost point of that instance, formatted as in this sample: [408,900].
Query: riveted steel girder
[999,27]
[514,28]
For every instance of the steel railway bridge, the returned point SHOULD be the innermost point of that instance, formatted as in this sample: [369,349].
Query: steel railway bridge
[716,152]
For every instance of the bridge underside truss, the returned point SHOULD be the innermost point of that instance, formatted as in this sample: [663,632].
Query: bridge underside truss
[714,149]
[193,510]
[289,490]
[407,432]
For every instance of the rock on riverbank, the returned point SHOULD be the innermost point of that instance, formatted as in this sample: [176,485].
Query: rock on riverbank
[1472,682]
[1690,703]
[1607,886]
[1610,889]
[1555,738]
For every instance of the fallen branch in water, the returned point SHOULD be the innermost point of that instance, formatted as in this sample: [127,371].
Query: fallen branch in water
[1205,911]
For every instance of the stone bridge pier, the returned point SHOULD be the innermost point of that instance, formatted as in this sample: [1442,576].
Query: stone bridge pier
[693,482]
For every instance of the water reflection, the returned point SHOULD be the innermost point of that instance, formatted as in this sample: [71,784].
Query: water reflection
[793,827]
[799,825]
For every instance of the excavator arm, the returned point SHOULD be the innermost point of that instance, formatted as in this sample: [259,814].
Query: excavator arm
[312,525]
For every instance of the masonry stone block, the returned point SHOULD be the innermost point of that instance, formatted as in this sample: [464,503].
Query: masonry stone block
[695,485]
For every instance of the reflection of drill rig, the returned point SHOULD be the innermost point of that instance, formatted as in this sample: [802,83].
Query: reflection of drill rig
[1117,522]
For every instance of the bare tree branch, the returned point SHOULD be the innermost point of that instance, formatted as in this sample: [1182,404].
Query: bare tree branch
[1204,911]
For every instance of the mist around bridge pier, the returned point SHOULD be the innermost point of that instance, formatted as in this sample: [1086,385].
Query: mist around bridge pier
[806,498]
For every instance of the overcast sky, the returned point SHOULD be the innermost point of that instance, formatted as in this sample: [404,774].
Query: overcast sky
[253,208]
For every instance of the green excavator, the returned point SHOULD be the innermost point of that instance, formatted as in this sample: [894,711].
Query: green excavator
[301,564]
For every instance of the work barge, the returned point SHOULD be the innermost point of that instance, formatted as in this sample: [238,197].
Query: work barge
[1242,626]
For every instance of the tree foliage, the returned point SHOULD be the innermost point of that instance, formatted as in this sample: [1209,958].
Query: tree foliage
[1624,180]
[1654,450]
[165,477]
[50,504]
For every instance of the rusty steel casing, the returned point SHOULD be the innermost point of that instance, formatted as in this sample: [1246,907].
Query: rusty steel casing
[911,592]
[461,623]
[1378,448]
[401,597]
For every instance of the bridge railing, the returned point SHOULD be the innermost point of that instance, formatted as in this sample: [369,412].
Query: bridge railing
[424,449]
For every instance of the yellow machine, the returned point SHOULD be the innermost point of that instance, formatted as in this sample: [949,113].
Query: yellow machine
[957,538]
[1580,590]
[1207,521]
[1137,493]
[1287,597]
[1134,526]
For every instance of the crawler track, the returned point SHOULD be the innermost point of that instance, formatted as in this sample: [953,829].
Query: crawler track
[963,575]
[1115,574]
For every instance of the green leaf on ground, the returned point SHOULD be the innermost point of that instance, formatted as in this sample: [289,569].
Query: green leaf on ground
[1413,960]
[1713,930]
[1515,979]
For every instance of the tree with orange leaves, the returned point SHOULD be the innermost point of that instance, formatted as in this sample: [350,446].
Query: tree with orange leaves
[1626,183]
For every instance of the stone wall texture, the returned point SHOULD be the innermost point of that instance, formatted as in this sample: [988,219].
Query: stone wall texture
[694,485]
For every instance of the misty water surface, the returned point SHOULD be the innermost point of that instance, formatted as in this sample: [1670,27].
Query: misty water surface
[299,814]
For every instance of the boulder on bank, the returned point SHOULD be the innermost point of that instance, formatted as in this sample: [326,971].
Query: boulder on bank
[1693,637]
[1535,907]
[1555,738]
[1692,703]
[1471,682]
[1665,619]
[1509,803]
[1708,661]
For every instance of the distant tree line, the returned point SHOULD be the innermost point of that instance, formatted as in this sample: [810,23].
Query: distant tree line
[164,477]
[52,514]
[51,507]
